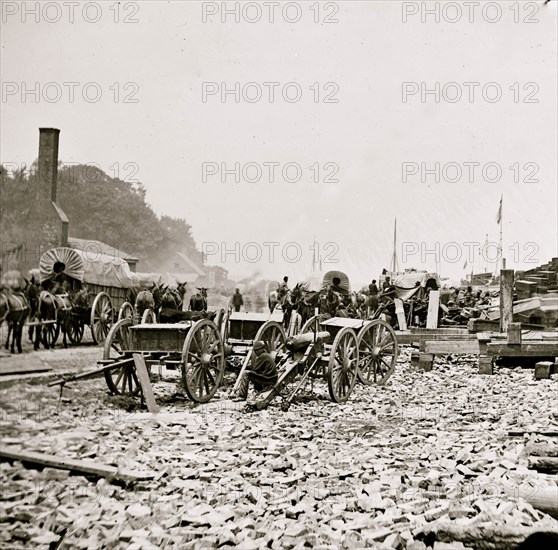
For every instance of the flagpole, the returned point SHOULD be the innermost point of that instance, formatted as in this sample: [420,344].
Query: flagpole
[502,259]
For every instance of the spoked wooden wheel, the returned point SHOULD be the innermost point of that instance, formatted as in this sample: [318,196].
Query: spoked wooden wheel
[203,361]
[313,324]
[224,327]
[101,317]
[343,365]
[121,380]
[273,335]
[126,311]
[75,329]
[148,317]
[219,319]
[378,351]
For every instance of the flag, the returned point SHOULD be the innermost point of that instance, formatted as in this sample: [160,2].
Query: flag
[465,265]
[499,216]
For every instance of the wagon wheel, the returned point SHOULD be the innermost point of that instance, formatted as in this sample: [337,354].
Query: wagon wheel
[224,327]
[378,350]
[203,361]
[101,317]
[273,335]
[49,333]
[75,329]
[148,317]
[121,380]
[343,365]
[219,318]
[313,324]
[126,311]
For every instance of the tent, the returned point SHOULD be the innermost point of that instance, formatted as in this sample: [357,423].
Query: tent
[415,283]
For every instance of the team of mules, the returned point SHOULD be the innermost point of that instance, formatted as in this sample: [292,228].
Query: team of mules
[53,307]
[331,301]
[167,304]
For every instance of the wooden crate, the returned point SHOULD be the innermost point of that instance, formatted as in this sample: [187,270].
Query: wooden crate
[245,326]
[167,338]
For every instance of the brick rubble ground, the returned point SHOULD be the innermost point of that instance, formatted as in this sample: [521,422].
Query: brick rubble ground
[426,448]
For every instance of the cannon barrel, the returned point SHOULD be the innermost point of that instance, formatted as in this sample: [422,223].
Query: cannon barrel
[301,341]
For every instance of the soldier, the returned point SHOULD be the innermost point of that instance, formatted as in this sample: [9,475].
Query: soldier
[386,284]
[237,301]
[263,372]
[373,297]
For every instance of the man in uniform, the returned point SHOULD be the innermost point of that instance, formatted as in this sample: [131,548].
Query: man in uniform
[237,301]
[283,290]
[373,297]
[263,372]
[387,284]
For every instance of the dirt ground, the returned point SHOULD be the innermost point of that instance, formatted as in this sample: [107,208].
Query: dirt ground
[386,470]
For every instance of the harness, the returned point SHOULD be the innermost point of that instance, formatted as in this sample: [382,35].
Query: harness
[22,307]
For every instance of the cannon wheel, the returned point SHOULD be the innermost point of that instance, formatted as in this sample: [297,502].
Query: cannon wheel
[148,317]
[101,317]
[203,361]
[378,351]
[75,330]
[224,327]
[343,365]
[273,335]
[219,319]
[126,311]
[121,380]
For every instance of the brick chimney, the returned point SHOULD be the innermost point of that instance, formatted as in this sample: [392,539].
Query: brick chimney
[48,176]
[48,160]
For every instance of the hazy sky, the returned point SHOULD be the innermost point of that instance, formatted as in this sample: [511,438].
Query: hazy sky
[362,61]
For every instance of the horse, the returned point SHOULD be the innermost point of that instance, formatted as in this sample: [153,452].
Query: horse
[198,301]
[359,303]
[148,299]
[272,300]
[32,291]
[14,308]
[54,305]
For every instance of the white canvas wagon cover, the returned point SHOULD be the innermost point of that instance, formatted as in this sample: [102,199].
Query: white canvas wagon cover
[87,267]
[321,281]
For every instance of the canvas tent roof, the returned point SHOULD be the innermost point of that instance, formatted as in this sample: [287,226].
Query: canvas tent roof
[97,269]
[408,284]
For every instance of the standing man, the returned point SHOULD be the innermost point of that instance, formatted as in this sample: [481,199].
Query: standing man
[283,290]
[263,372]
[237,301]
[373,297]
[387,284]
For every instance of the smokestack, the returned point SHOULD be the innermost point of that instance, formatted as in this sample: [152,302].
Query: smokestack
[48,160]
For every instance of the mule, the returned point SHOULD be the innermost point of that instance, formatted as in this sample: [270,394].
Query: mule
[198,301]
[14,308]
